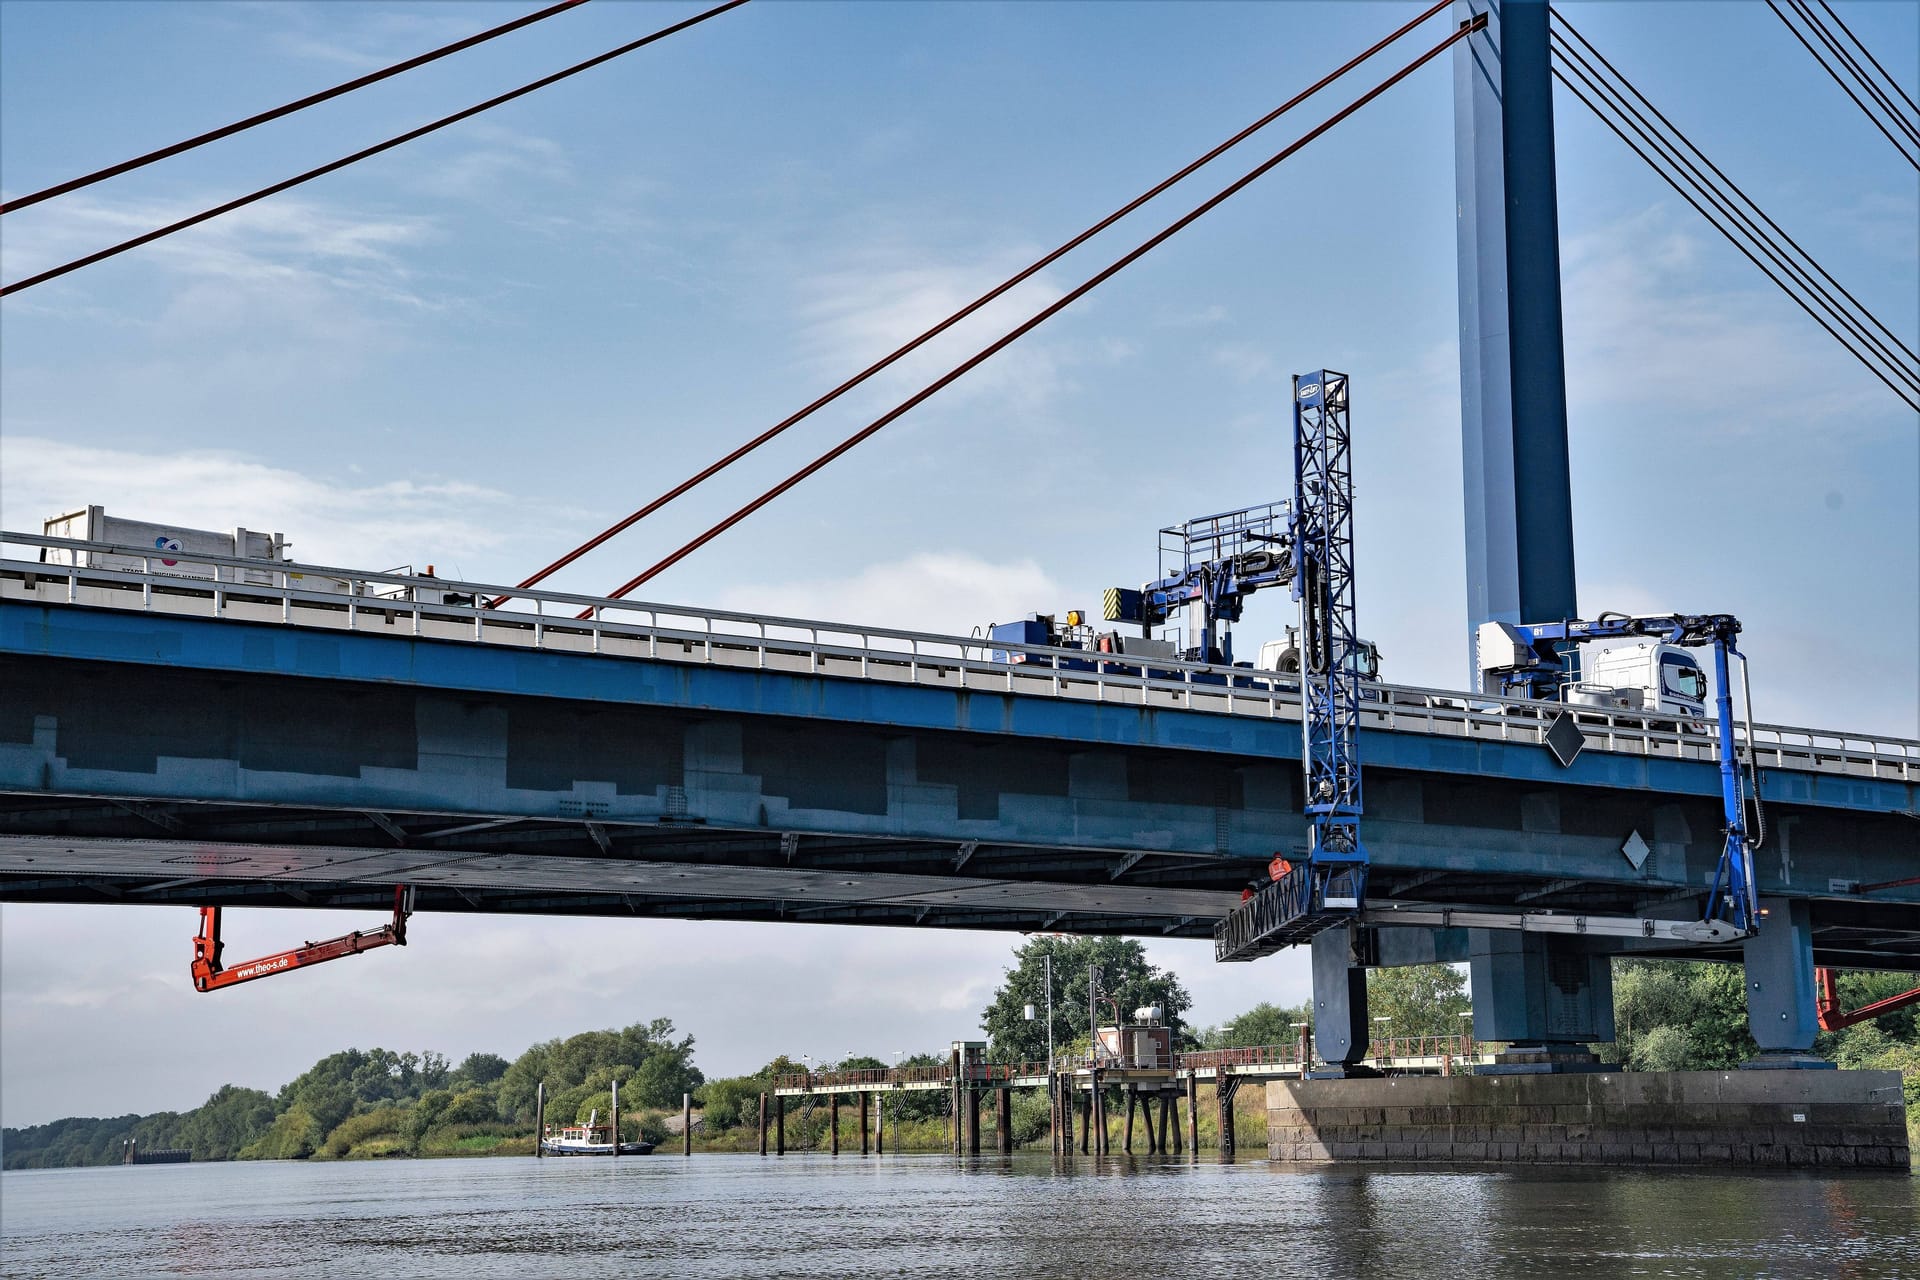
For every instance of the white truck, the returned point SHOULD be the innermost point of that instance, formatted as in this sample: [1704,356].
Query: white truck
[1637,675]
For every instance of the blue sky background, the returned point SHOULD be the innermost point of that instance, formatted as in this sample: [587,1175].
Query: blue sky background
[478,349]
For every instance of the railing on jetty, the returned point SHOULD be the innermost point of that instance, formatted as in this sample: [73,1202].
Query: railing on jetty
[1266,1059]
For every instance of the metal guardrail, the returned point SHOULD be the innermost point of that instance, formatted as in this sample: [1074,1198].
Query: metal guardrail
[396,601]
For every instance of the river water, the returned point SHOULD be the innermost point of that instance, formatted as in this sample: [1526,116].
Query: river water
[813,1215]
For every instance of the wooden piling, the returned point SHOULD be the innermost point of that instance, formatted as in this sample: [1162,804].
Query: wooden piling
[763,1124]
[1166,1105]
[1173,1109]
[1086,1121]
[1126,1129]
[1099,1117]
[1065,1090]
[540,1119]
[866,1101]
[1193,1112]
[833,1123]
[880,1125]
[1003,1120]
[973,1122]
[686,1124]
[615,1118]
[1224,1087]
[779,1125]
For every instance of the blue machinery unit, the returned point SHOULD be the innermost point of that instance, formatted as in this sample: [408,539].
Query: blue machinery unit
[1538,672]
[1222,560]
[1330,886]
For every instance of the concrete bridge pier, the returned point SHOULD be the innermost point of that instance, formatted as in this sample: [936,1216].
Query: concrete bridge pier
[1547,997]
[1339,1003]
[1781,997]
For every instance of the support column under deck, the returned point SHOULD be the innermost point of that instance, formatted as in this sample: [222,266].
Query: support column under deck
[1544,996]
[1781,996]
[865,1134]
[833,1123]
[1339,1002]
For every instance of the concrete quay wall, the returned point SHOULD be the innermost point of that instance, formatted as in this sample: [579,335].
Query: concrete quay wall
[1681,1118]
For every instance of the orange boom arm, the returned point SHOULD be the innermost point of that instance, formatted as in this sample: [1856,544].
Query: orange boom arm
[210,975]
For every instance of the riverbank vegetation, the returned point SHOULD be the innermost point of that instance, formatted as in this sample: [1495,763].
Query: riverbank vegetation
[378,1103]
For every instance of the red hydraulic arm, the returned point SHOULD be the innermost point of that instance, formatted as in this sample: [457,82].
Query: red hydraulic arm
[1833,1017]
[210,975]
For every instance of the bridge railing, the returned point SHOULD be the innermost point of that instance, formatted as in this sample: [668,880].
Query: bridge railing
[437,608]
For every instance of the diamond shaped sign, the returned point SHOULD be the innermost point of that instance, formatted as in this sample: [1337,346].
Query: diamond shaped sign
[1564,739]
[1636,850]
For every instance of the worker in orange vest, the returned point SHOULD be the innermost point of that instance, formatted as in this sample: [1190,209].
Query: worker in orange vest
[1279,868]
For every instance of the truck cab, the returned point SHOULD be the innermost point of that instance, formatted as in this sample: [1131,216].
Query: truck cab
[1667,677]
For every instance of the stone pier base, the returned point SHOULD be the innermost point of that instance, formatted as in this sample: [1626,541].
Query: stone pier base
[1692,1118]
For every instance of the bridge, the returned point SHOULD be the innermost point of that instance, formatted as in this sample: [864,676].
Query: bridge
[278,735]
[311,736]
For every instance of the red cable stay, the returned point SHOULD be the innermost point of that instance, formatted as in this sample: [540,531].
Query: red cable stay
[210,975]
[1024,274]
[1040,317]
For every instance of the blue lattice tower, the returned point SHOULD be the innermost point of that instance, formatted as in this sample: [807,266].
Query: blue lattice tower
[1329,645]
[1329,888]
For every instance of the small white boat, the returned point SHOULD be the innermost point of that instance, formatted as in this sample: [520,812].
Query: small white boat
[589,1139]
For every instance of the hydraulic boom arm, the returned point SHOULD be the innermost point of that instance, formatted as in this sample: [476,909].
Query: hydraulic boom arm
[210,975]
[1734,897]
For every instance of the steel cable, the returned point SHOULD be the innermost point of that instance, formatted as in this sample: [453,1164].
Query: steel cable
[313,99]
[1721,201]
[1860,76]
[368,152]
[1912,401]
[1864,109]
[1560,22]
[1037,319]
[1868,53]
[1019,277]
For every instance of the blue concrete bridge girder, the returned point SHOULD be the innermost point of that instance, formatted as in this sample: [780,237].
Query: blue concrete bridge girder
[1441,804]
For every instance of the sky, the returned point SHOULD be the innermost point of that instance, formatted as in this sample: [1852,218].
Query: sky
[479,349]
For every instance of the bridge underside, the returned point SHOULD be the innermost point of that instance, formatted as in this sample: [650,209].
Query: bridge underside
[130,852]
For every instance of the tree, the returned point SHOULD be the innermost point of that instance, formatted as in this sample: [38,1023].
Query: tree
[1263,1024]
[1680,1015]
[479,1068]
[1418,1000]
[1126,979]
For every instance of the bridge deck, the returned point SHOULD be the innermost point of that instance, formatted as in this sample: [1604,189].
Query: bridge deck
[398,604]
[170,739]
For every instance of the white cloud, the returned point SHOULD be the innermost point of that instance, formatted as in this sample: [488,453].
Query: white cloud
[874,298]
[1645,326]
[364,526]
[276,242]
[949,593]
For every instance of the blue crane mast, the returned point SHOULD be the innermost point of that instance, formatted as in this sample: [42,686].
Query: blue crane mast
[1330,885]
